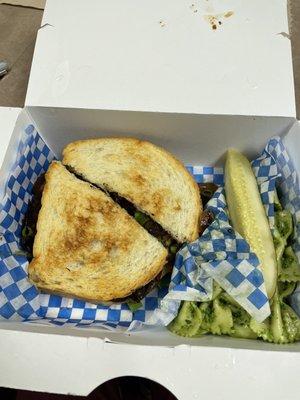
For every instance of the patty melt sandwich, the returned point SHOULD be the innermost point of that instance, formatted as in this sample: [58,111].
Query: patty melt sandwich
[106,222]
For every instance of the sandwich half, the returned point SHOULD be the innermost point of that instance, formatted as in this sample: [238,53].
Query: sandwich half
[144,175]
[86,245]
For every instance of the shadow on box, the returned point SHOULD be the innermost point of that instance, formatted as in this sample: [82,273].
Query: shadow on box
[123,388]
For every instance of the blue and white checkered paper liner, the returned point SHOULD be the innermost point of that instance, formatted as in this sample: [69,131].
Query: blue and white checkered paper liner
[289,193]
[220,254]
[276,163]
[19,300]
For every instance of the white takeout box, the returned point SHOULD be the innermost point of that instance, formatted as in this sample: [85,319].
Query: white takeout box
[156,70]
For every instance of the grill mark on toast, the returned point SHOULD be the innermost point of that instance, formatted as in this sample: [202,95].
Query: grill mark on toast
[78,241]
[153,229]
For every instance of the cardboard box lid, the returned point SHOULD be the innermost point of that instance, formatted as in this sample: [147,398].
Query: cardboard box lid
[165,56]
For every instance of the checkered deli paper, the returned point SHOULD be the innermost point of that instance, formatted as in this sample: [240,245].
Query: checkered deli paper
[220,254]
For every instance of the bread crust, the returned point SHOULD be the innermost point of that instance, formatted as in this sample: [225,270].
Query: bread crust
[87,246]
[146,175]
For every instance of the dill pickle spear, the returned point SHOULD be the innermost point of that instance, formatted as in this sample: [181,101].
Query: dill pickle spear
[247,215]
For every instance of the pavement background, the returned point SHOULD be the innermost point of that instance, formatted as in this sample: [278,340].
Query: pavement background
[18,29]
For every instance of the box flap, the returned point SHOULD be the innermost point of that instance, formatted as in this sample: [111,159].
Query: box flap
[172,56]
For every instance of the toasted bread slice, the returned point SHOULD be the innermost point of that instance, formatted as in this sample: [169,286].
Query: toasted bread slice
[146,175]
[87,246]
